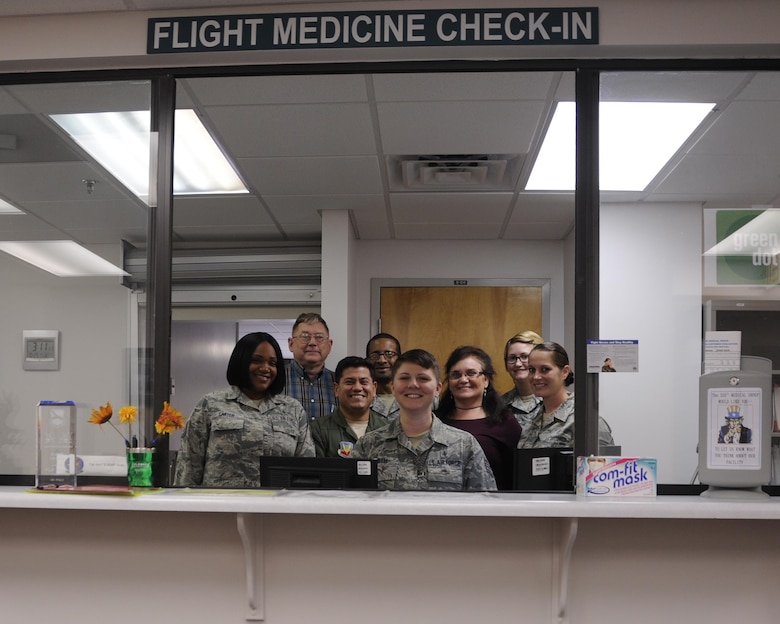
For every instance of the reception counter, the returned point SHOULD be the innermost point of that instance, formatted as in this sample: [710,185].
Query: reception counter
[461,504]
[232,556]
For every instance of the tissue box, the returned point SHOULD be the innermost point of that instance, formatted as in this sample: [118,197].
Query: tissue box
[616,476]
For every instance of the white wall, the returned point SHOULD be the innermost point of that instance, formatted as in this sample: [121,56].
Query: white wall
[92,315]
[651,291]
[338,291]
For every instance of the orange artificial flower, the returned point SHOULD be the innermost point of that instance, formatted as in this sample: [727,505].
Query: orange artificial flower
[170,420]
[102,415]
[128,413]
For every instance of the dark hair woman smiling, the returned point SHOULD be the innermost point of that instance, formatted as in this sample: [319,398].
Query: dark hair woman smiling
[230,430]
[470,402]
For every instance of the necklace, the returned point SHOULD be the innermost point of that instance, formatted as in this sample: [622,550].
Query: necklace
[468,408]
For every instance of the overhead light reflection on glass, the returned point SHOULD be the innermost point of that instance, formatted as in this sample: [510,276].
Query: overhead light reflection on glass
[63,258]
[119,141]
[6,208]
[636,141]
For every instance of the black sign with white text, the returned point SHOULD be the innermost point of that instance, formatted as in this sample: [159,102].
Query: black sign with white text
[374,29]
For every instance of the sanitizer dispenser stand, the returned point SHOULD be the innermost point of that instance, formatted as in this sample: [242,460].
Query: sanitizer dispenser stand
[735,430]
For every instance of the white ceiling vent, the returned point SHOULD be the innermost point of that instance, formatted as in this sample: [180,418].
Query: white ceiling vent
[461,172]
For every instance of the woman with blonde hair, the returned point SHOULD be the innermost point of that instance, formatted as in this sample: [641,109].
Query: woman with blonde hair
[521,399]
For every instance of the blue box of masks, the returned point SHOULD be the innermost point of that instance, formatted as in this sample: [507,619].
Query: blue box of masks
[616,476]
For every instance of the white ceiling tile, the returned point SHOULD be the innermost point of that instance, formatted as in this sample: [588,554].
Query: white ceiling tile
[762,86]
[450,208]
[462,86]
[9,105]
[745,128]
[56,181]
[295,130]
[307,208]
[96,213]
[458,127]
[551,206]
[711,175]
[291,214]
[226,211]
[313,176]
[27,227]
[99,235]
[255,90]
[85,97]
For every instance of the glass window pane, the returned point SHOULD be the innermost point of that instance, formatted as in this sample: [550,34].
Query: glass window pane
[55,140]
[663,281]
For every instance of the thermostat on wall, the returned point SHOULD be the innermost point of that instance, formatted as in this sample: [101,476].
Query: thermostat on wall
[40,349]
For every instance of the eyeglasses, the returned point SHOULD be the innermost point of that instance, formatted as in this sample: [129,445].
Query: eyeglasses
[511,359]
[305,337]
[375,355]
[471,374]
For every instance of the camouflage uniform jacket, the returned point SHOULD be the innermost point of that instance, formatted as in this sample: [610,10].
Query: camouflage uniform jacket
[447,459]
[559,430]
[524,408]
[380,407]
[228,433]
[333,436]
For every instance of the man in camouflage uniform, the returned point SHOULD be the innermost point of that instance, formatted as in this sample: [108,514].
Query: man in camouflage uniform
[556,430]
[416,451]
[334,435]
[382,350]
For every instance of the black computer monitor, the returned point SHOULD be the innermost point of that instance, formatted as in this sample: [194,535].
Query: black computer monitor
[544,469]
[318,473]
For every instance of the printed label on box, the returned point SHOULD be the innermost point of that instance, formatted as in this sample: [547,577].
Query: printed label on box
[540,466]
[616,476]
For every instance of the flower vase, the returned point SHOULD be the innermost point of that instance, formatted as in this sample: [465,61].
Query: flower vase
[140,463]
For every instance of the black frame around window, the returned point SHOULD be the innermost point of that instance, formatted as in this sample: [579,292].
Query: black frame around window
[586,270]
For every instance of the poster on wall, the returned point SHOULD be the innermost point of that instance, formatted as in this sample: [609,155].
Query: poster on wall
[742,247]
[734,428]
[613,356]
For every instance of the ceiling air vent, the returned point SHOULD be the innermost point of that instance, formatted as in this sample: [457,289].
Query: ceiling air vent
[478,172]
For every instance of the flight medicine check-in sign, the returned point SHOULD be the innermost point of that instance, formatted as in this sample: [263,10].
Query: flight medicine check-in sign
[370,29]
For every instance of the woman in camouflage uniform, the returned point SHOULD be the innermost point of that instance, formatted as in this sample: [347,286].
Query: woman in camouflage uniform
[552,426]
[521,399]
[230,430]
[417,451]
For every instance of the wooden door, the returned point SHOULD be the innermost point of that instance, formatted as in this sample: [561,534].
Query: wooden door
[441,318]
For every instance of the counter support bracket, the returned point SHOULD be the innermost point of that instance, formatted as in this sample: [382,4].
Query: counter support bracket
[250,529]
[565,534]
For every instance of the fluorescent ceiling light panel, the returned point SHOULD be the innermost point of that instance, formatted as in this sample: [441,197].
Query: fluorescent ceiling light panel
[636,140]
[63,258]
[119,141]
[6,208]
